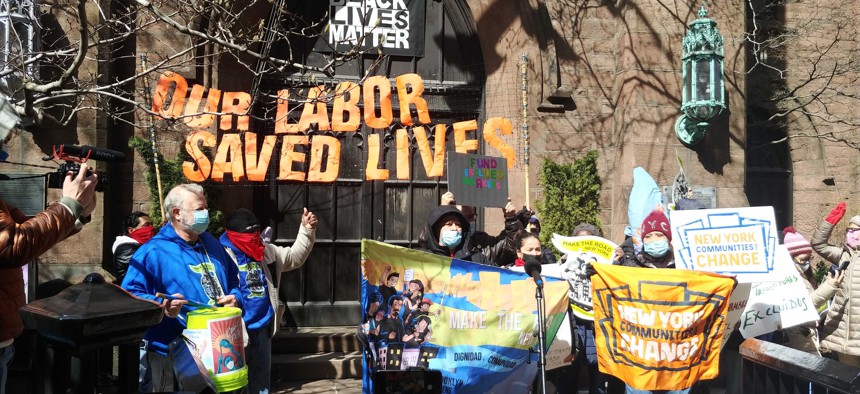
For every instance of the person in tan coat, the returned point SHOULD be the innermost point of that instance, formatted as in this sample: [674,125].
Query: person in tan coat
[804,337]
[841,331]
[22,239]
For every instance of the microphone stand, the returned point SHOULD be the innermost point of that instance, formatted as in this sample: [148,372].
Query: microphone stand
[541,338]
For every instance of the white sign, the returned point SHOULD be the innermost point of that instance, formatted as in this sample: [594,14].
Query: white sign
[559,352]
[733,241]
[763,307]
[396,27]
[580,252]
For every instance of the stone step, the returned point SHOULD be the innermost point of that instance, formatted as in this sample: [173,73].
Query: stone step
[316,340]
[328,386]
[316,366]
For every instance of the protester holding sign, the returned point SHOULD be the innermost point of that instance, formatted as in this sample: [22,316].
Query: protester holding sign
[840,334]
[448,235]
[804,337]
[585,353]
[656,250]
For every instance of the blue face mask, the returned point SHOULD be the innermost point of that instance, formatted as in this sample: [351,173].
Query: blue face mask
[201,221]
[657,248]
[451,238]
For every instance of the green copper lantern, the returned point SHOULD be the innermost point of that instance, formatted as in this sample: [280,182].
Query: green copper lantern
[702,98]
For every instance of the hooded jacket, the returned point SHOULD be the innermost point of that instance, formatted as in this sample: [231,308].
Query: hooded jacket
[21,241]
[462,250]
[169,265]
[468,249]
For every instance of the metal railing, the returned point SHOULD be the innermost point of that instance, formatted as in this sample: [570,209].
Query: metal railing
[775,369]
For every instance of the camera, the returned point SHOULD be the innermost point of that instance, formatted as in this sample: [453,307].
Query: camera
[73,155]
[55,179]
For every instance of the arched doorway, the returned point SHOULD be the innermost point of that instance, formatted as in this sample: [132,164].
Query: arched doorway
[325,291]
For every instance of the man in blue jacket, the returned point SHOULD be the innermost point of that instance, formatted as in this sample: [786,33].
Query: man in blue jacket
[188,263]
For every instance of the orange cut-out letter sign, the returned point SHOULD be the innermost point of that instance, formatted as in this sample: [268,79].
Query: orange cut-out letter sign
[235,105]
[402,154]
[256,170]
[461,144]
[369,92]
[373,172]
[319,144]
[415,86]
[192,146]
[290,156]
[346,99]
[434,161]
[231,145]
[282,117]
[315,110]
[195,117]
[171,88]
[505,128]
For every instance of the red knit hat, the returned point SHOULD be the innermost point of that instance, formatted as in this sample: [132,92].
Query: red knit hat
[795,242]
[656,221]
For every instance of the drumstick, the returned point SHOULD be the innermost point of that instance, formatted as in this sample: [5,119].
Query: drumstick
[190,303]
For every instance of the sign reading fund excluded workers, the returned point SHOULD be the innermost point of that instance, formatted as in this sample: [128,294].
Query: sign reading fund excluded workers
[395,27]
[729,241]
[476,180]
[316,158]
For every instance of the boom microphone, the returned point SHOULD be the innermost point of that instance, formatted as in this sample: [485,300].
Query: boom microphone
[533,268]
[94,153]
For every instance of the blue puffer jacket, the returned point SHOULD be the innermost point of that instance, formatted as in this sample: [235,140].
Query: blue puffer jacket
[168,264]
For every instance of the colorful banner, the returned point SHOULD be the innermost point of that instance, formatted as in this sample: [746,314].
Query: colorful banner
[782,302]
[730,241]
[580,252]
[476,180]
[659,329]
[474,323]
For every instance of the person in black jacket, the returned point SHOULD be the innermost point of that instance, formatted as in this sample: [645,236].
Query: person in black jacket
[497,250]
[136,229]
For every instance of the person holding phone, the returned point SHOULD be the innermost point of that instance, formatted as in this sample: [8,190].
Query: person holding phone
[841,331]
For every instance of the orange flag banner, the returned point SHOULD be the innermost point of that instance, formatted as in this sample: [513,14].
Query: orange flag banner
[659,329]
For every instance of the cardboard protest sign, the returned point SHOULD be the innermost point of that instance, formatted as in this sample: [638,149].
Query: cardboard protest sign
[659,329]
[478,327]
[580,252]
[730,241]
[476,180]
[768,306]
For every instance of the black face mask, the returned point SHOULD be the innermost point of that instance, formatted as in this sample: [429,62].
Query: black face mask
[532,259]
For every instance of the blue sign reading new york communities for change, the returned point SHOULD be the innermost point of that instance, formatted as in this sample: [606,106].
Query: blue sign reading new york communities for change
[729,241]
[476,180]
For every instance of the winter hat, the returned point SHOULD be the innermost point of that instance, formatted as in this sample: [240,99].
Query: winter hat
[242,221]
[795,242]
[855,219]
[587,227]
[656,221]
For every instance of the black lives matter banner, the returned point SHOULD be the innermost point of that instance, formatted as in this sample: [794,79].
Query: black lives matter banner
[396,27]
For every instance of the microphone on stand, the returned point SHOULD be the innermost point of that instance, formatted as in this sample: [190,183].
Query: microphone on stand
[533,268]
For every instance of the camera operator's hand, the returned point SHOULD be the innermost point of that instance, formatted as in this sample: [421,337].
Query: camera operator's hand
[82,188]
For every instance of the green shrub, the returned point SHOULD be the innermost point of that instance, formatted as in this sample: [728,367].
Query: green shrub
[571,195]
